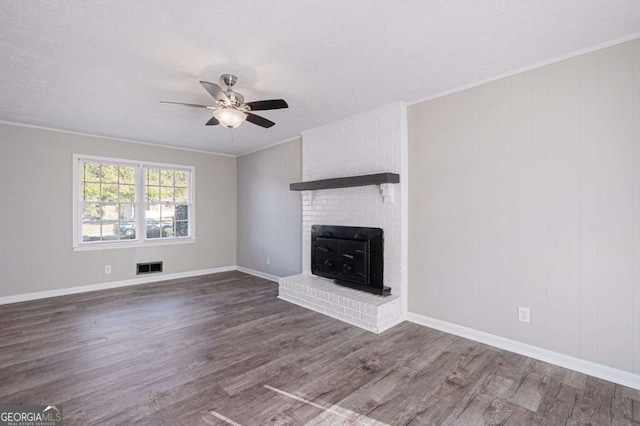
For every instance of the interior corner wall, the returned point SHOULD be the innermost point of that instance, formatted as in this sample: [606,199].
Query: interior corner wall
[526,192]
[36,214]
[269,214]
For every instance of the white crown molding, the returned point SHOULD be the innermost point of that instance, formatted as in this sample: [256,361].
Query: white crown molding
[600,371]
[114,284]
[71,132]
[255,273]
[530,67]
[271,146]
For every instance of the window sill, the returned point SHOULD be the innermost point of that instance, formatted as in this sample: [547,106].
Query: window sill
[133,244]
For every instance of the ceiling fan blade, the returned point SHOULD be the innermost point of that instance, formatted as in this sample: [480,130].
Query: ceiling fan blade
[269,104]
[212,122]
[182,103]
[215,91]
[260,121]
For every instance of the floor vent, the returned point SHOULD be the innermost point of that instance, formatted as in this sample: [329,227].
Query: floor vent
[148,268]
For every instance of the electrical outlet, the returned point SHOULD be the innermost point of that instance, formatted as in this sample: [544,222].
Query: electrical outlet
[107,269]
[268,260]
[524,314]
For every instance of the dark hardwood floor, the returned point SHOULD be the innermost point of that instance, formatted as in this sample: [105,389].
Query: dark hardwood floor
[222,349]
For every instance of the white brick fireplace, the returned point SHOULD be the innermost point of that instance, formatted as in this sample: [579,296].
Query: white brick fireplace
[369,143]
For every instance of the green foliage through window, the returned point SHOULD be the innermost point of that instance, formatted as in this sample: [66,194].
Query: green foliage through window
[109,203]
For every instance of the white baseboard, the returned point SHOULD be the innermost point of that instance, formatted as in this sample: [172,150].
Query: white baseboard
[114,284]
[255,273]
[600,371]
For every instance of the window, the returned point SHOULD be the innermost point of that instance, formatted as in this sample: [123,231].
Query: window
[167,208]
[116,198]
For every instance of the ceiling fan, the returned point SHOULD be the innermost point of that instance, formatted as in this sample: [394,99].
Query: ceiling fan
[231,110]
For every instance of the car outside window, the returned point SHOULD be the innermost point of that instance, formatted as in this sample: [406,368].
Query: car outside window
[116,198]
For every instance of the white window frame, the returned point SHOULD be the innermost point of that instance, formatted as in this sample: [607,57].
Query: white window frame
[140,203]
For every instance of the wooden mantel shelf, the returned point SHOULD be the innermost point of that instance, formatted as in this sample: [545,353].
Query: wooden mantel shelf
[346,182]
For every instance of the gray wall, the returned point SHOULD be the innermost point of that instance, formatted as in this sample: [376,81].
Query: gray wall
[36,213]
[269,215]
[526,192]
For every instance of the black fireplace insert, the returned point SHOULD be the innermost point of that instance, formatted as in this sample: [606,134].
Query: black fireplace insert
[352,256]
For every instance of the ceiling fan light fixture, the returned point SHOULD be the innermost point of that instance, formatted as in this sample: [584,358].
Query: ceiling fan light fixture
[231,110]
[230,117]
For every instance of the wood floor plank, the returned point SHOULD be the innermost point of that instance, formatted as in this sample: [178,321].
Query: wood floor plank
[173,353]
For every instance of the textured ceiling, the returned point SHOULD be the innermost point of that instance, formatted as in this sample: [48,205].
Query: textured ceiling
[101,66]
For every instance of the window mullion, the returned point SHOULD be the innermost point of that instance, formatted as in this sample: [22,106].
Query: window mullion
[141,233]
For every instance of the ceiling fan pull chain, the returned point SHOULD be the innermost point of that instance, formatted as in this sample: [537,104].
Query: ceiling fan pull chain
[230,136]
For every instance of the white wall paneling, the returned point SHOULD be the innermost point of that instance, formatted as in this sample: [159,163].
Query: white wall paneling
[524,192]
